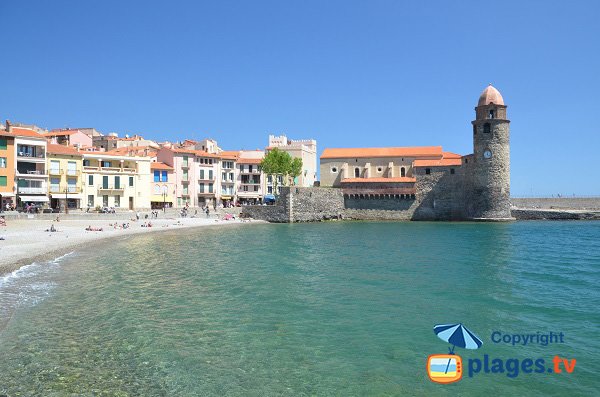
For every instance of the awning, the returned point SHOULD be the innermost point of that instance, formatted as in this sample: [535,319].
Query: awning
[158,198]
[36,199]
[75,196]
[269,197]
[226,197]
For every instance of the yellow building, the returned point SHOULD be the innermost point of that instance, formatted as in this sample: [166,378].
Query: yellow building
[65,166]
[113,180]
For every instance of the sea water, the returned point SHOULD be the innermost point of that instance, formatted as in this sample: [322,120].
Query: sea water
[328,309]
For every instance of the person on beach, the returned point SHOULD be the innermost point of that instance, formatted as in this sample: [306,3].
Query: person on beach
[207,212]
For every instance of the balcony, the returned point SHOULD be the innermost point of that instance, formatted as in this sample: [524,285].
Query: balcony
[119,188]
[30,154]
[185,166]
[73,172]
[32,174]
[56,171]
[112,170]
[200,179]
[31,190]
[70,189]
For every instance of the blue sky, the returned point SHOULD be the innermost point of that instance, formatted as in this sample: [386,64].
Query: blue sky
[349,74]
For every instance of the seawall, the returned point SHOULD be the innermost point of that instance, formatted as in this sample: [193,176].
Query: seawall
[315,204]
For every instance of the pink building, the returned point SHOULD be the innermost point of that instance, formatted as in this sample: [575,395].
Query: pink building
[69,137]
[195,175]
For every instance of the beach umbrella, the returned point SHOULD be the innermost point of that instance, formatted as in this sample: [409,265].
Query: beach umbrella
[457,335]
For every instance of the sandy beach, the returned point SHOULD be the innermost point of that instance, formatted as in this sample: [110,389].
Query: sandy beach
[29,240]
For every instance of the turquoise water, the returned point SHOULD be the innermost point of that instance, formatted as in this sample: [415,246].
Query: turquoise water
[341,309]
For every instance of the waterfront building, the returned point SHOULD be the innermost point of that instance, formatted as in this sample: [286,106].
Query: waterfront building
[8,164]
[115,180]
[163,185]
[195,175]
[65,165]
[304,149]
[31,175]
[228,180]
[427,182]
[251,182]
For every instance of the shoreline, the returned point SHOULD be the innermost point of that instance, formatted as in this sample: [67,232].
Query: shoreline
[27,241]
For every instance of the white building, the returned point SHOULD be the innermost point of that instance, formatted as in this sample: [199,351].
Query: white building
[305,149]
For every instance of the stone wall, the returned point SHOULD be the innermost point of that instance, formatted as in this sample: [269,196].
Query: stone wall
[559,215]
[440,194]
[309,204]
[574,203]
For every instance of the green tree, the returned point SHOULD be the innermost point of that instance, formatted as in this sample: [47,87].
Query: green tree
[279,163]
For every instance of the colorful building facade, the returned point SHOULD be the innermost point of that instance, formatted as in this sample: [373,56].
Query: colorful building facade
[65,166]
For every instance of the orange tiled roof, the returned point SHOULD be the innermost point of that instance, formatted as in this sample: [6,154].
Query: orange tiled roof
[450,155]
[416,151]
[229,154]
[60,133]
[160,166]
[379,180]
[17,131]
[249,161]
[437,163]
[199,153]
[62,149]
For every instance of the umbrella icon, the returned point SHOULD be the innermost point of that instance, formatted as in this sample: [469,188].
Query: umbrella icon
[457,335]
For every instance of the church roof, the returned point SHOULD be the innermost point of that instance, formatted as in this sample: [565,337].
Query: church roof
[417,151]
[490,95]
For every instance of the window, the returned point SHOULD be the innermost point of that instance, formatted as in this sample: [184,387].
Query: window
[210,187]
[452,171]
[491,114]
[256,188]
[156,176]
[54,184]
[117,182]
[86,163]
[270,189]
[486,128]
[106,164]
[270,179]
[90,200]
[54,167]
[210,174]
[379,169]
[117,201]
[231,176]
[403,172]
[3,144]
[105,200]
[90,180]
[156,189]
[105,181]
[427,171]
[201,174]
[130,181]
[224,176]
[209,161]
[357,173]
[2,162]
[71,168]
[185,161]
[202,188]
[245,188]
[250,168]
[474,130]
[164,176]
[2,181]
[333,170]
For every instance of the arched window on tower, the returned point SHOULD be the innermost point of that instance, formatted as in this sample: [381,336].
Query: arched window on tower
[357,172]
[486,128]
[402,172]
[491,114]
[474,130]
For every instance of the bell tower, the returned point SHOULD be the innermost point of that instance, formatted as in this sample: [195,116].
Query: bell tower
[491,159]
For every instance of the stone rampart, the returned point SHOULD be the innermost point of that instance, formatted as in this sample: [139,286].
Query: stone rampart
[574,203]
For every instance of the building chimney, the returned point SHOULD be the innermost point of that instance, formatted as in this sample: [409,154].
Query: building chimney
[8,126]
